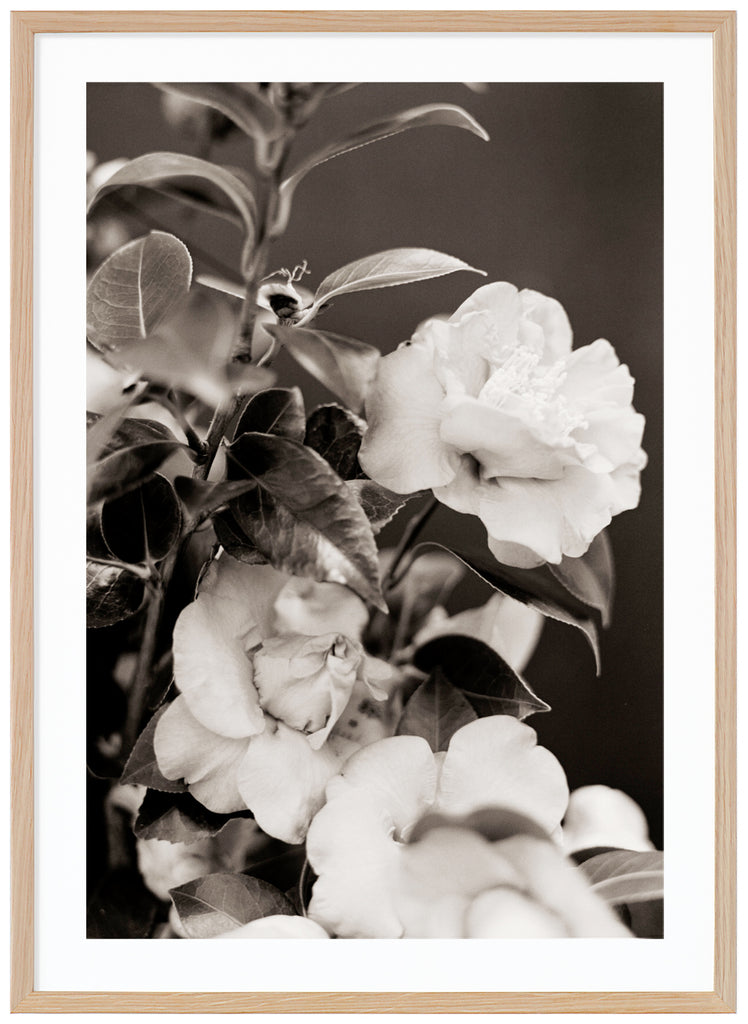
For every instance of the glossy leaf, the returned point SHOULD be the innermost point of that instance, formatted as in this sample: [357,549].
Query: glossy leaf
[153,169]
[218,903]
[234,540]
[177,818]
[384,270]
[380,505]
[201,497]
[435,712]
[429,115]
[143,523]
[491,686]
[335,434]
[130,457]
[345,366]
[590,578]
[112,594]
[277,411]
[627,876]
[134,290]
[536,587]
[302,516]
[142,766]
[246,109]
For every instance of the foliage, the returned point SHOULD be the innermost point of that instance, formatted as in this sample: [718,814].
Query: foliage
[204,457]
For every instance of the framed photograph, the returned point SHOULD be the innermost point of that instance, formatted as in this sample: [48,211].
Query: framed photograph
[393,625]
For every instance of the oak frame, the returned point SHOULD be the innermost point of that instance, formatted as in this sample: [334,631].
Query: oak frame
[24,26]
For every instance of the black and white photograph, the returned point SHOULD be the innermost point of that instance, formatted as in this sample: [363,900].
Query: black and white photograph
[374,519]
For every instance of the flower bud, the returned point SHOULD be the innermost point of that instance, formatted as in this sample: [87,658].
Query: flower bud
[306,681]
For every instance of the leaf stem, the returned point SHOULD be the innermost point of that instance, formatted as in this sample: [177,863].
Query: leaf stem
[410,533]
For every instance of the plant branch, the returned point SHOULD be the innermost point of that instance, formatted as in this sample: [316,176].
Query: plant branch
[410,533]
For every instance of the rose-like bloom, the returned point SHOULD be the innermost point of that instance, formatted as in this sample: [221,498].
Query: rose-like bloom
[267,667]
[494,412]
[357,842]
[455,883]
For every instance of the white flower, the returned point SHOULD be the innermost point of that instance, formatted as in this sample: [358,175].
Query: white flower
[455,883]
[254,725]
[601,816]
[496,414]
[277,926]
[356,843]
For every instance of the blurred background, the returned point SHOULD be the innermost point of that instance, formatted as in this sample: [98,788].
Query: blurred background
[566,198]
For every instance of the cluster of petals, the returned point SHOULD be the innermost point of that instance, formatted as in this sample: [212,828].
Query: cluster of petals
[493,411]
[358,843]
[275,693]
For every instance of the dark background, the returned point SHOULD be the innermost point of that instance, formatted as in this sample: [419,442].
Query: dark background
[566,198]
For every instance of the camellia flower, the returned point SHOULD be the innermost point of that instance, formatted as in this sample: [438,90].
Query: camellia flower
[266,666]
[357,843]
[456,883]
[493,411]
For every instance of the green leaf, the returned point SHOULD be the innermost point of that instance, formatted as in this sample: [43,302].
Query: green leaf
[234,540]
[246,109]
[134,290]
[345,366]
[153,169]
[627,876]
[204,496]
[178,818]
[274,411]
[130,457]
[435,711]
[191,350]
[218,903]
[112,594]
[431,114]
[302,516]
[335,434]
[142,766]
[384,270]
[491,686]
[536,587]
[145,522]
[380,505]
[590,578]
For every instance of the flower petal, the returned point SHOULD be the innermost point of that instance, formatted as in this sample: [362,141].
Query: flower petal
[282,780]
[350,849]
[496,761]
[552,518]
[561,887]
[212,667]
[506,913]
[503,444]
[551,316]
[312,608]
[439,876]
[402,449]
[601,816]
[207,762]
[398,774]
[212,639]
[511,628]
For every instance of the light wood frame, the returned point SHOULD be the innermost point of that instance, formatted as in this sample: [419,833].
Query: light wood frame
[25,25]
